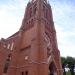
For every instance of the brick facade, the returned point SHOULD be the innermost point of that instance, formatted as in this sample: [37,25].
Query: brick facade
[33,49]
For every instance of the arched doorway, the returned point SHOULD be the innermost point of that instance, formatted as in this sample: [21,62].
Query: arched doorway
[52,69]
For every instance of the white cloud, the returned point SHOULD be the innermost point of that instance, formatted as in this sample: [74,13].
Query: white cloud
[64,16]
[65,41]
[9,20]
[11,15]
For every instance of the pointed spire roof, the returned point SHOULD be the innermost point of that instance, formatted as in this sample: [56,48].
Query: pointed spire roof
[32,0]
[35,0]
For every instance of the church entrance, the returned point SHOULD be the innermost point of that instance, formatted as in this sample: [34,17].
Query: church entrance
[52,69]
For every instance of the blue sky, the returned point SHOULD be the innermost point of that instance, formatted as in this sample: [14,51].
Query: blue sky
[12,12]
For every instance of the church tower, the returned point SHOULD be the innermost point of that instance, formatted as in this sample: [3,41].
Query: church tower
[34,49]
[40,35]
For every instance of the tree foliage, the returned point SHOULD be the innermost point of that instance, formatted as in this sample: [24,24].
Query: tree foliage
[68,62]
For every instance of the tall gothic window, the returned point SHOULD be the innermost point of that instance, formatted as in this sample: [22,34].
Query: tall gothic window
[26,73]
[7,64]
[22,73]
[45,12]
[30,13]
[34,9]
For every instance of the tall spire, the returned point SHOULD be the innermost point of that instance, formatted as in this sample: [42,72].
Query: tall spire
[35,0]
[32,0]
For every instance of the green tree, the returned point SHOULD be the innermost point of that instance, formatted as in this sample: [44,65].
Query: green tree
[68,62]
[71,64]
[63,60]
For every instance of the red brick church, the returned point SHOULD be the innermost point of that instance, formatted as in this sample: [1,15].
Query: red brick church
[33,49]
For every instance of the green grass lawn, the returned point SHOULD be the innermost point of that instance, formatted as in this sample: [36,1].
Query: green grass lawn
[68,73]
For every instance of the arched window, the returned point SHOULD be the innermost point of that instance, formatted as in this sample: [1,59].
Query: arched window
[45,11]
[7,63]
[12,45]
[22,73]
[26,72]
[34,9]
[30,13]
[52,69]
